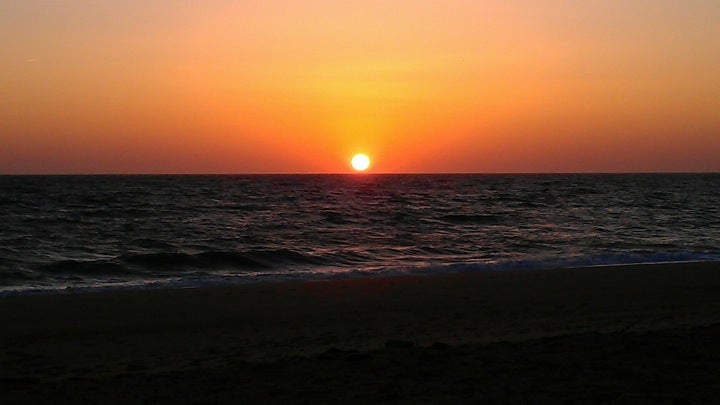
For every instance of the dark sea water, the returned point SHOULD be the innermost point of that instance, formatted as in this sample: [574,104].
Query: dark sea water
[78,232]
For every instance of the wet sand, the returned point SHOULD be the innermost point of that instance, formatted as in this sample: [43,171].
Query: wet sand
[619,334]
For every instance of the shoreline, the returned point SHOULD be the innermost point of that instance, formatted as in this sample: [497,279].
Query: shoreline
[321,276]
[144,337]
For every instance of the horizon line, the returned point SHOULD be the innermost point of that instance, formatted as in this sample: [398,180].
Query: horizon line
[352,173]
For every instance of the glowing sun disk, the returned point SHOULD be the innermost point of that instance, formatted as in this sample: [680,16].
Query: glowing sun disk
[360,162]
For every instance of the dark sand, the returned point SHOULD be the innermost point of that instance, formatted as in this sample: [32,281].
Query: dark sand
[630,334]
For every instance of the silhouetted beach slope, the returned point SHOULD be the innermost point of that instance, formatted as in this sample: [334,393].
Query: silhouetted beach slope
[625,333]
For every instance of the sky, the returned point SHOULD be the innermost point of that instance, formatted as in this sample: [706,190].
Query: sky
[246,86]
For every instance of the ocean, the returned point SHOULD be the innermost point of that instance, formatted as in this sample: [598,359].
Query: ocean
[78,233]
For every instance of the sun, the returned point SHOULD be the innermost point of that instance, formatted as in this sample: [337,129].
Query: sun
[360,162]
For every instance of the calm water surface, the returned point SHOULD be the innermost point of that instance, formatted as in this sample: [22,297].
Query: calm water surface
[60,232]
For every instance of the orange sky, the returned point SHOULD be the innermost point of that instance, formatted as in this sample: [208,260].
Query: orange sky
[300,86]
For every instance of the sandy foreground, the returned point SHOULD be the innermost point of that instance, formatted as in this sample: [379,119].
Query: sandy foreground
[645,333]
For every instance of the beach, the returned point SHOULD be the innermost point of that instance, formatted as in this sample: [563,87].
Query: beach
[621,333]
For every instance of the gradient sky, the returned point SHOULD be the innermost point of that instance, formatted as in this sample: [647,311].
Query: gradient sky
[300,86]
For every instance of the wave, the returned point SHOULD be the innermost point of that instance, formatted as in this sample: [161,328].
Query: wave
[149,263]
[277,266]
[290,260]
[83,267]
[573,262]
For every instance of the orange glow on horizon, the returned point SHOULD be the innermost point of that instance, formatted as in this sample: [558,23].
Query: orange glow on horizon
[419,85]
